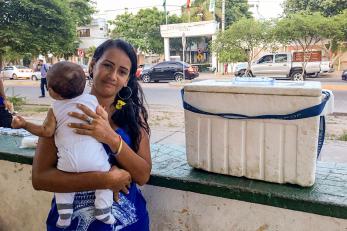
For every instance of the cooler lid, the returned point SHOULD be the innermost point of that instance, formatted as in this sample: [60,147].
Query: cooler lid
[258,86]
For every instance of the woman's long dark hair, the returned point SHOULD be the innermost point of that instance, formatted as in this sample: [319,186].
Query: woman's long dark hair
[133,116]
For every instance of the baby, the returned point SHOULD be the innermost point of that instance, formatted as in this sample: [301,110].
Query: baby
[76,153]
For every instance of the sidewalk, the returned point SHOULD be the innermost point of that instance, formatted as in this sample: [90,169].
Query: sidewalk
[171,132]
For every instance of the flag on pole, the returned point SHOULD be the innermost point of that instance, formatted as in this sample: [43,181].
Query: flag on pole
[188,5]
[164,5]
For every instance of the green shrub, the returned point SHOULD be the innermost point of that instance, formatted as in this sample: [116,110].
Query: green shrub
[343,137]
[17,101]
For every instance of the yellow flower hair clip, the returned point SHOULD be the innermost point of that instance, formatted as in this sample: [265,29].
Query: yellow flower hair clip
[120,104]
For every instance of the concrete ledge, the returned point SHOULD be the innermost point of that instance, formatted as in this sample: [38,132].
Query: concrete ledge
[173,210]
[328,197]
[10,151]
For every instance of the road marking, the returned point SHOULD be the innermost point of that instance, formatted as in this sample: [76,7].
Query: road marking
[335,87]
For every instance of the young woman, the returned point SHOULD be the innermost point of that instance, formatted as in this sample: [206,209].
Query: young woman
[120,123]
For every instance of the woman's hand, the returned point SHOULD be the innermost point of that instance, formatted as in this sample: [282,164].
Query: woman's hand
[96,124]
[119,181]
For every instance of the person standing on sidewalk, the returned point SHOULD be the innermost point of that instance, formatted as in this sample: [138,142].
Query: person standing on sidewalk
[6,108]
[43,68]
[3,100]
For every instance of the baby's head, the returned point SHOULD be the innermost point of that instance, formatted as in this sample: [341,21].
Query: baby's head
[65,80]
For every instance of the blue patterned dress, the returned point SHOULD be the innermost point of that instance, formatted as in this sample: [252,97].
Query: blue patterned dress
[130,212]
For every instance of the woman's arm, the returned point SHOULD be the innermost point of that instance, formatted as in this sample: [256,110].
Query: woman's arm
[138,164]
[2,90]
[45,175]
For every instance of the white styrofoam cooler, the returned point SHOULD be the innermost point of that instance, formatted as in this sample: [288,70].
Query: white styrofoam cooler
[279,151]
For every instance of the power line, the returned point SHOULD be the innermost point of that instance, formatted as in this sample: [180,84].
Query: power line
[180,6]
[143,7]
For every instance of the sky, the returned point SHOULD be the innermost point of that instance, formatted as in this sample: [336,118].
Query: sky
[109,8]
[269,8]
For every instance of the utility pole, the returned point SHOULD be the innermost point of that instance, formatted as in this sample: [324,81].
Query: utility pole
[165,12]
[223,15]
[225,66]
[184,39]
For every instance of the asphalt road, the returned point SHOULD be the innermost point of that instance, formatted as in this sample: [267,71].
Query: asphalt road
[155,93]
[162,93]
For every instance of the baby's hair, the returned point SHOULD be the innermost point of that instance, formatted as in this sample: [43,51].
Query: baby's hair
[66,79]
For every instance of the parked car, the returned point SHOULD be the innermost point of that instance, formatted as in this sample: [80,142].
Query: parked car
[141,68]
[326,67]
[16,72]
[36,76]
[344,75]
[240,68]
[286,65]
[169,70]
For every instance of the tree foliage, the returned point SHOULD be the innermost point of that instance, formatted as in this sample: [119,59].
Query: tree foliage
[82,11]
[234,10]
[306,30]
[336,32]
[303,30]
[326,7]
[243,40]
[199,11]
[142,30]
[40,26]
[335,36]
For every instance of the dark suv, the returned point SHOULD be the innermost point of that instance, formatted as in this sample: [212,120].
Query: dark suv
[169,70]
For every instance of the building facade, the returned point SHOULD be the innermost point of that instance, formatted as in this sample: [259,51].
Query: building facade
[93,34]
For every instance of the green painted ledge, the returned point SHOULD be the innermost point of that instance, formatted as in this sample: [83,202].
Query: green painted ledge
[327,197]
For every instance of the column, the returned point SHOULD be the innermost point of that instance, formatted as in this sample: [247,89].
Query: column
[167,49]
[214,56]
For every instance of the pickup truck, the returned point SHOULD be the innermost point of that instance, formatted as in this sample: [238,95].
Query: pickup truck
[285,65]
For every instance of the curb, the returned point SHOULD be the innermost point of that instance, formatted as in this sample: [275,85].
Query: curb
[179,84]
[339,114]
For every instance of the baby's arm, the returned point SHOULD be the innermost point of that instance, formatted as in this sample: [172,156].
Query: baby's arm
[45,130]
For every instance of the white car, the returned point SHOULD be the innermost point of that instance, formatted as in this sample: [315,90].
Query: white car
[240,68]
[16,72]
[36,75]
[326,67]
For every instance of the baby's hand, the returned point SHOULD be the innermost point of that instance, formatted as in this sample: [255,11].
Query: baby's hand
[18,122]
[9,106]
